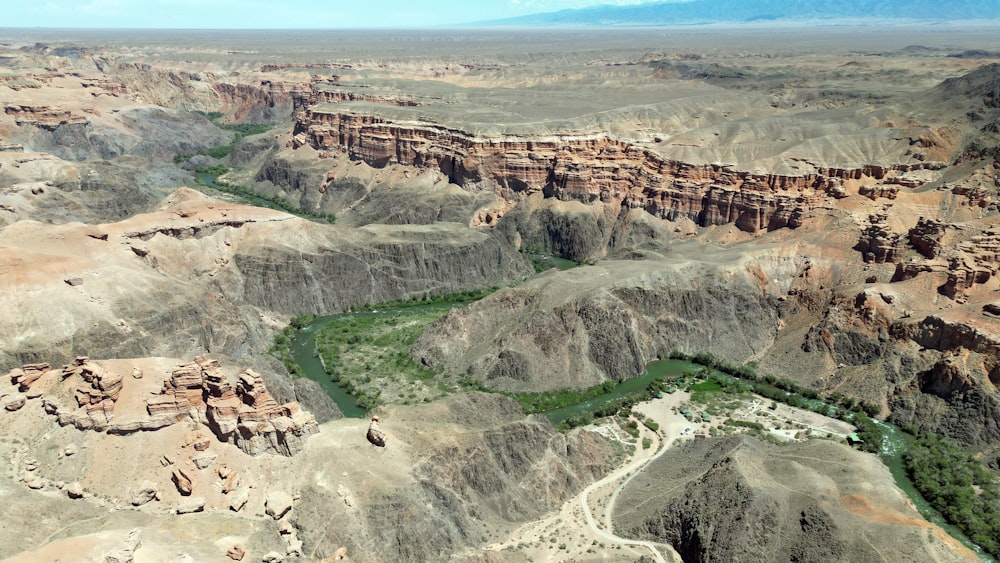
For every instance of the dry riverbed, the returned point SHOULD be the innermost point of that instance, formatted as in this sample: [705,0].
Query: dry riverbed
[582,530]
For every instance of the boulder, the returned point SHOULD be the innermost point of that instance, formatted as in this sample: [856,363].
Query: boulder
[239,499]
[236,552]
[272,557]
[127,552]
[277,504]
[375,434]
[182,480]
[35,482]
[145,493]
[14,402]
[192,504]
[204,461]
[74,490]
[230,483]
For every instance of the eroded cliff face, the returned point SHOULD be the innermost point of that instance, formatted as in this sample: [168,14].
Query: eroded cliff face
[478,466]
[203,275]
[590,169]
[606,321]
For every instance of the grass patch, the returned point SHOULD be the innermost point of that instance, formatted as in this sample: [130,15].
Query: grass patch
[745,424]
[428,299]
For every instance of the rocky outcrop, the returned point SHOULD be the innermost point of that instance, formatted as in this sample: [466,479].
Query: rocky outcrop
[974,261]
[588,169]
[43,116]
[277,504]
[236,552]
[28,374]
[878,243]
[126,553]
[99,396]
[266,101]
[94,389]
[245,415]
[144,493]
[926,236]
[538,336]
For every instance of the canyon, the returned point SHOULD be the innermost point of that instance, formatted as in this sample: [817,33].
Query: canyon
[829,216]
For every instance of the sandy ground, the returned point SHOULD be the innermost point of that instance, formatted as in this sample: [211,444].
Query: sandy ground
[582,529]
[583,524]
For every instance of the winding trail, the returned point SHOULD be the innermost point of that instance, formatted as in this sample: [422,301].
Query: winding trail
[577,513]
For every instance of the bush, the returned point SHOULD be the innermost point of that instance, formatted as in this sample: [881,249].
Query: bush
[948,477]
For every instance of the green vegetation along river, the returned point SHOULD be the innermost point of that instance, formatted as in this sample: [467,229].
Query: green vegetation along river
[354,328]
[656,369]
[304,352]
[894,447]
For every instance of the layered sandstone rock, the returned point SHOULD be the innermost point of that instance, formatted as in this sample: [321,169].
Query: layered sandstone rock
[583,168]
[43,116]
[966,264]
[878,243]
[247,415]
[926,236]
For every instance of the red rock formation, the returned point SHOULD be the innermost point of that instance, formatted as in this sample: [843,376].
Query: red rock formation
[240,101]
[247,416]
[972,262]
[926,236]
[586,169]
[321,66]
[105,86]
[324,94]
[43,116]
[263,425]
[878,243]
[28,374]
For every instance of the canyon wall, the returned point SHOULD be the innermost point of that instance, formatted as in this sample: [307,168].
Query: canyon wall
[589,169]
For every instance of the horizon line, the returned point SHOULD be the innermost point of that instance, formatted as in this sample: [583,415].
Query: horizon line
[810,23]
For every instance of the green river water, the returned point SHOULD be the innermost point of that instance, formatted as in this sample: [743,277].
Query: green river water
[303,347]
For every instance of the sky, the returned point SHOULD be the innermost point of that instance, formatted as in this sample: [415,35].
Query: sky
[272,14]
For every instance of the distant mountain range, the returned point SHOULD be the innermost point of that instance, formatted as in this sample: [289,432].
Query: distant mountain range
[695,12]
